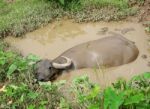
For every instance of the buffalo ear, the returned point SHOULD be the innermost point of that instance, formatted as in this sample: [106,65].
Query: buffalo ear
[35,65]
[47,63]
[38,61]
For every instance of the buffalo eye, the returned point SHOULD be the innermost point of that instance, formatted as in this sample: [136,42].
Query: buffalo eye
[50,68]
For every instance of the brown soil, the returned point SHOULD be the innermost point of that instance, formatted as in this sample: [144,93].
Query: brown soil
[144,14]
[144,11]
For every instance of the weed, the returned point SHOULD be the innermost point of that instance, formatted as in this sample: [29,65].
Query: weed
[38,96]
[129,95]
[86,93]
[11,62]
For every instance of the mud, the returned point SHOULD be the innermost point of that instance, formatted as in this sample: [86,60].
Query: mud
[50,41]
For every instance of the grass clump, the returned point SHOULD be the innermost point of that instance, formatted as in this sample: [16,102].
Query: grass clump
[87,95]
[97,10]
[147,26]
[134,94]
[21,16]
[99,3]
[12,63]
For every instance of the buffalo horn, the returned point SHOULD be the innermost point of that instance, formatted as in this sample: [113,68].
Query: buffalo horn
[62,66]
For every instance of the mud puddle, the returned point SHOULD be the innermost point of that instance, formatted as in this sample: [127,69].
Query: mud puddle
[52,40]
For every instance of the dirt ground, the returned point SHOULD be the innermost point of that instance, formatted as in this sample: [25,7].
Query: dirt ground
[144,12]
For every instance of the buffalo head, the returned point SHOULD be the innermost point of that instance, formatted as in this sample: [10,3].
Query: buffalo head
[47,70]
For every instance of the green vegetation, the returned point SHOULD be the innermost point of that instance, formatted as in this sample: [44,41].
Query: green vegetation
[147,26]
[21,16]
[12,63]
[100,3]
[20,90]
[134,94]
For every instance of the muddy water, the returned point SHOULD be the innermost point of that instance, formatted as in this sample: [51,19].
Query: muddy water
[52,40]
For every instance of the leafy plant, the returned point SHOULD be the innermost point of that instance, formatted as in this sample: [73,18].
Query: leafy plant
[129,95]
[147,26]
[86,93]
[147,29]
[11,63]
[38,96]
[62,2]
[112,99]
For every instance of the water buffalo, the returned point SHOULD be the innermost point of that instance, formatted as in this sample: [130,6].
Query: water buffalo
[109,51]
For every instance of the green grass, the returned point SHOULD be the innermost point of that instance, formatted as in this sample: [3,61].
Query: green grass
[25,15]
[22,16]
[102,3]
